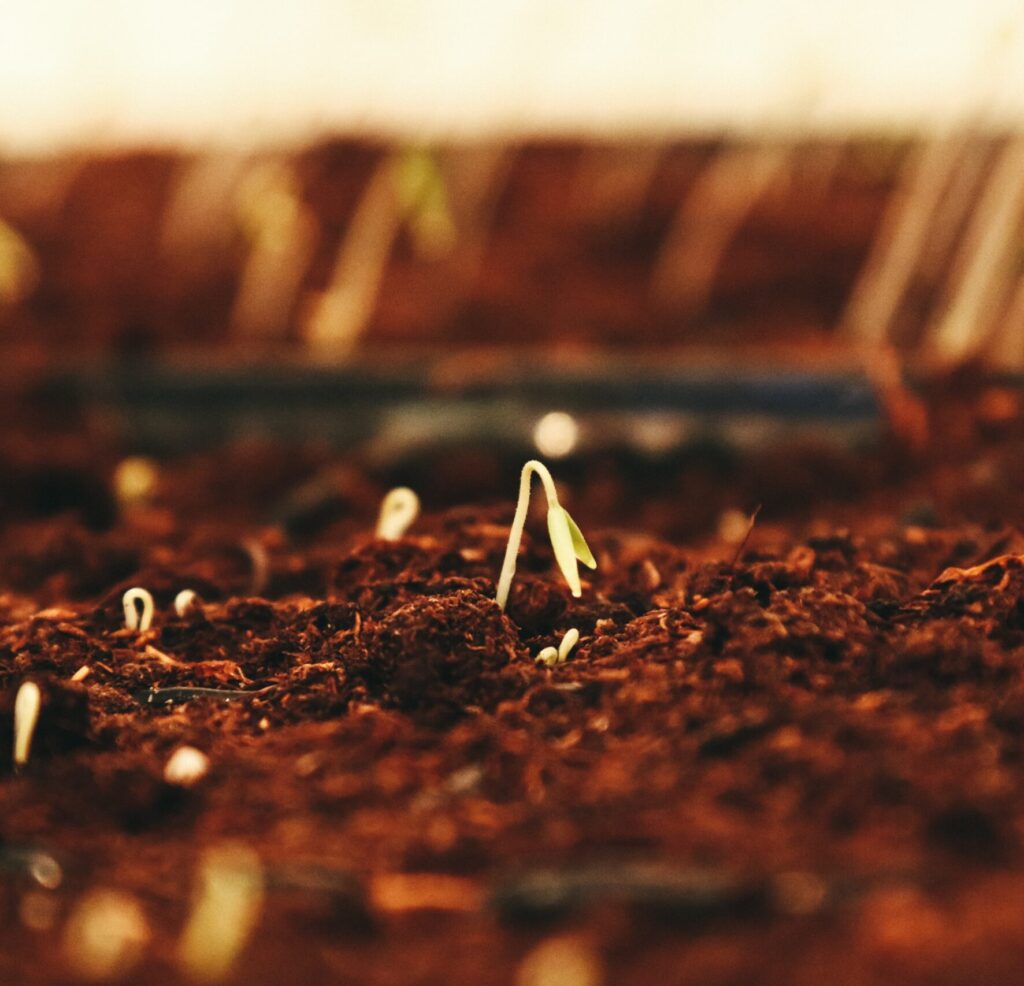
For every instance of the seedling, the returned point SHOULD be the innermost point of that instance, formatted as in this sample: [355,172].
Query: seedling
[551,656]
[183,600]
[26,715]
[134,619]
[397,511]
[567,541]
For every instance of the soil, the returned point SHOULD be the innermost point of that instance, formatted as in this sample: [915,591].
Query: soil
[793,759]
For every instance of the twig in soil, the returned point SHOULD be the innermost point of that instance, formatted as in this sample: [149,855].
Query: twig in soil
[26,715]
[134,619]
[741,547]
[397,511]
[227,906]
[567,541]
[183,600]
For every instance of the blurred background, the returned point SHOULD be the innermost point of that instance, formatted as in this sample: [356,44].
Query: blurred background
[414,219]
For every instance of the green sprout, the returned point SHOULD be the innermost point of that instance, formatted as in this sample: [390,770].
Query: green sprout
[567,541]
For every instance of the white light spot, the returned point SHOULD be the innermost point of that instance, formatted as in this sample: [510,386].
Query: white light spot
[106,935]
[733,526]
[135,480]
[556,434]
[186,766]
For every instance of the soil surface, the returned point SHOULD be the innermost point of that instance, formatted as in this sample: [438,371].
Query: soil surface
[794,759]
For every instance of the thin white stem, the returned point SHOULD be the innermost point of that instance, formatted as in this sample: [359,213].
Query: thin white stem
[515,534]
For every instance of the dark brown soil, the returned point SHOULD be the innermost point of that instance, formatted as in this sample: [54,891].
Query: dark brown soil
[797,766]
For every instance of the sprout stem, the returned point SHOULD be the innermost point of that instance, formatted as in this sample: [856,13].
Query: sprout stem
[515,534]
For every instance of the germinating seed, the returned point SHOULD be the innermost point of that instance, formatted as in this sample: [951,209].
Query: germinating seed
[26,715]
[131,600]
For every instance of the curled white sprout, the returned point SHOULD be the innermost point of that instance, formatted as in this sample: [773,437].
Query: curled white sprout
[398,510]
[131,600]
[26,715]
[183,600]
[550,656]
[567,541]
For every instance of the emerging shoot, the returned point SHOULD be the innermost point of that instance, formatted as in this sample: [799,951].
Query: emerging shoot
[397,511]
[567,541]
[183,600]
[134,619]
[550,656]
[26,715]
[570,640]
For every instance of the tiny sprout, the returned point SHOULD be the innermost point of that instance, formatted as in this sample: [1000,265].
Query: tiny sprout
[397,511]
[569,641]
[183,600]
[133,619]
[26,715]
[567,541]
[186,766]
[550,656]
